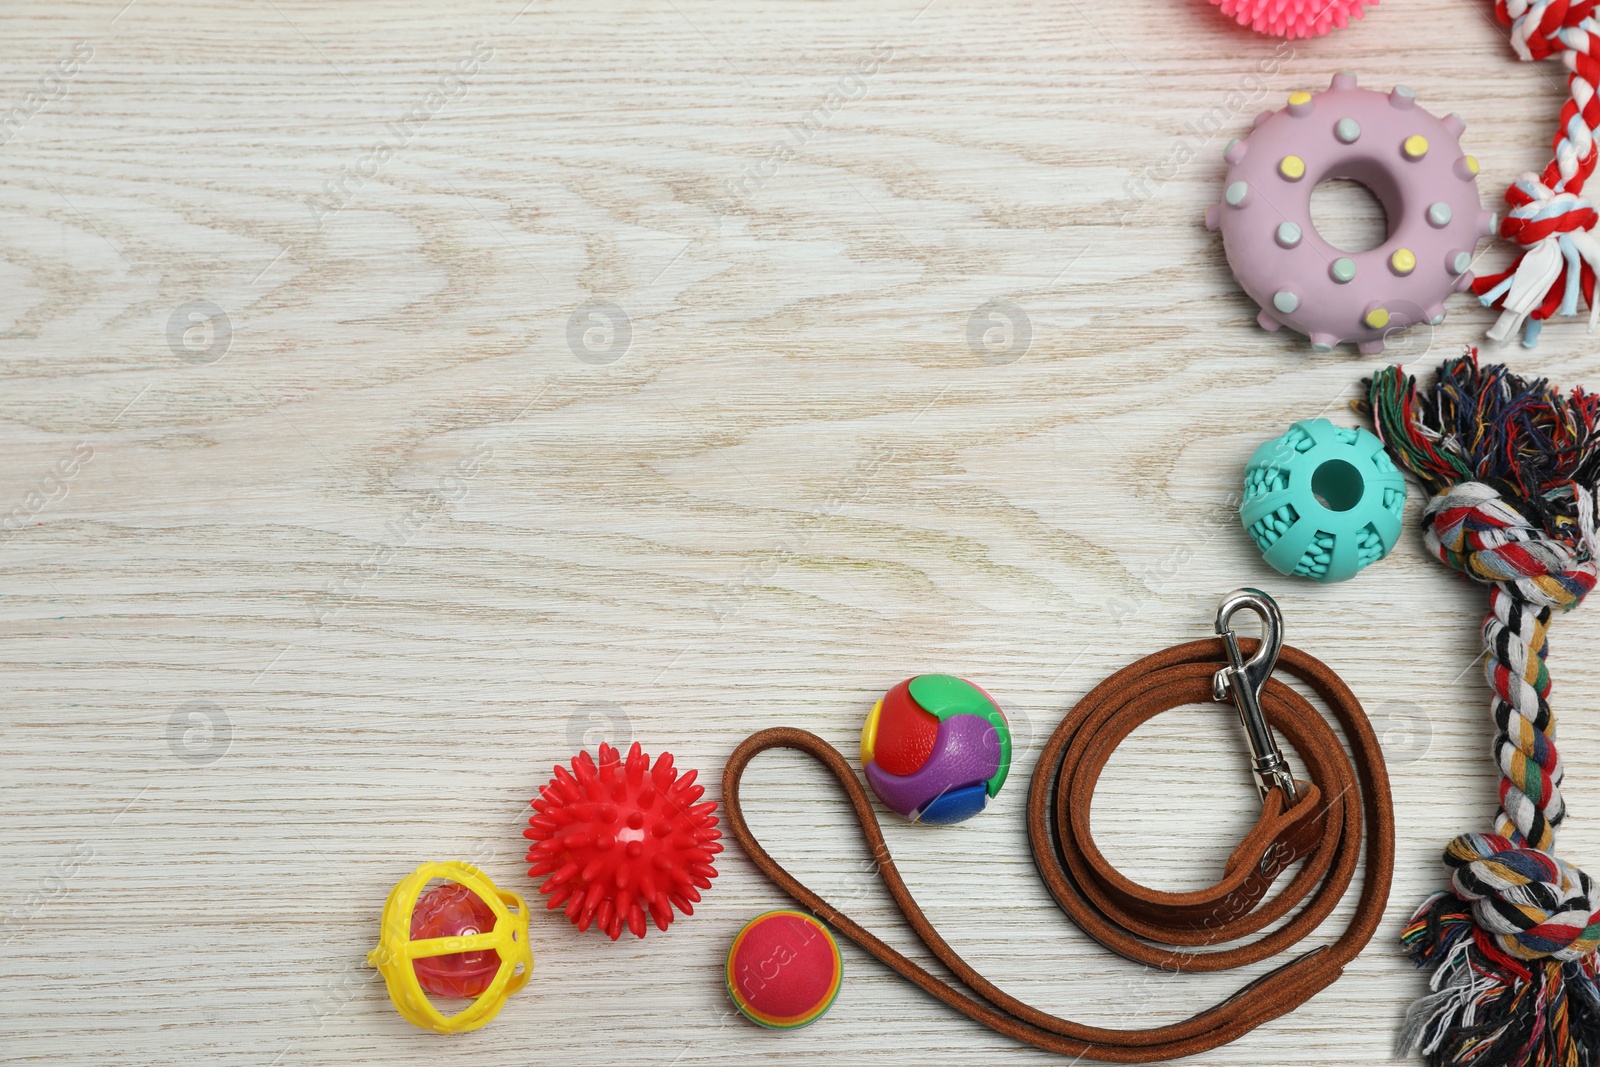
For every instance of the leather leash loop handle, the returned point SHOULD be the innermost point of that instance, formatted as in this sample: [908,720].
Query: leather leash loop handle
[1325,827]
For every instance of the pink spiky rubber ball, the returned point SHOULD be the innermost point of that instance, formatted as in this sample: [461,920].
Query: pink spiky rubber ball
[1293,18]
[622,840]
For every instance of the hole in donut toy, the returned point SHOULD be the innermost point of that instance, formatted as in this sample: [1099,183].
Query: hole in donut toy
[1348,215]
[1337,485]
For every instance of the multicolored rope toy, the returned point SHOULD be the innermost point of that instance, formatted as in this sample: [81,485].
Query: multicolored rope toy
[1512,466]
[1549,217]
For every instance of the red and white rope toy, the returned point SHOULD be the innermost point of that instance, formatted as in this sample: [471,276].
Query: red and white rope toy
[1550,218]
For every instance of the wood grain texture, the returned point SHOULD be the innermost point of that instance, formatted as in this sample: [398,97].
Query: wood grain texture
[405,549]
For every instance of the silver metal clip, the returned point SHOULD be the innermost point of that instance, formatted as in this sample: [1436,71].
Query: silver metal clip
[1243,681]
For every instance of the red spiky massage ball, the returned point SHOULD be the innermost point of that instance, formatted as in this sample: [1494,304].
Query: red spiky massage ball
[622,839]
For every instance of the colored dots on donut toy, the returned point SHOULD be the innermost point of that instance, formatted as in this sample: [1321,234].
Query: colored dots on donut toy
[936,749]
[1285,301]
[1322,501]
[1377,318]
[1410,159]
[784,970]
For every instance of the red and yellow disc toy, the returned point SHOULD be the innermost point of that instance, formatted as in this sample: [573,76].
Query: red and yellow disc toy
[784,970]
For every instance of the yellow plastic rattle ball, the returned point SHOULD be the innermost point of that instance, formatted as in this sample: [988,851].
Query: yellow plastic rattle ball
[397,954]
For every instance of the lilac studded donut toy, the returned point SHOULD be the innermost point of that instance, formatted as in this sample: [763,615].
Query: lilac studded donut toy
[1413,163]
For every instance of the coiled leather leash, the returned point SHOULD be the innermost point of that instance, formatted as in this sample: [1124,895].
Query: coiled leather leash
[1320,820]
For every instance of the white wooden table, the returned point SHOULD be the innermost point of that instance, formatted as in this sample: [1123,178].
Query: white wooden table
[397,398]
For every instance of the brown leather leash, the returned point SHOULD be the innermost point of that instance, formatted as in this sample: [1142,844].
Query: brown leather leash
[1318,820]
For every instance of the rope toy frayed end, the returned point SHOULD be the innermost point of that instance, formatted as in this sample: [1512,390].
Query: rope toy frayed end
[1535,448]
[1486,1009]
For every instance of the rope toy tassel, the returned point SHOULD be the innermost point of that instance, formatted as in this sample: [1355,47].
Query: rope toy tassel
[1549,216]
[1512,465]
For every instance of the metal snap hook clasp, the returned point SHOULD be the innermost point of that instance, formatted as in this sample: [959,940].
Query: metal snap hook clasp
[1243,681]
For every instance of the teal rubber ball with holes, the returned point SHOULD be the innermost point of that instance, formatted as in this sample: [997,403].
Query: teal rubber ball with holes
[1323,501]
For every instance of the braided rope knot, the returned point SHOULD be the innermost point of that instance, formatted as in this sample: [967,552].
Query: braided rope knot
[1480,533]
[1540,213]
[1540,28]
[1534,905]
